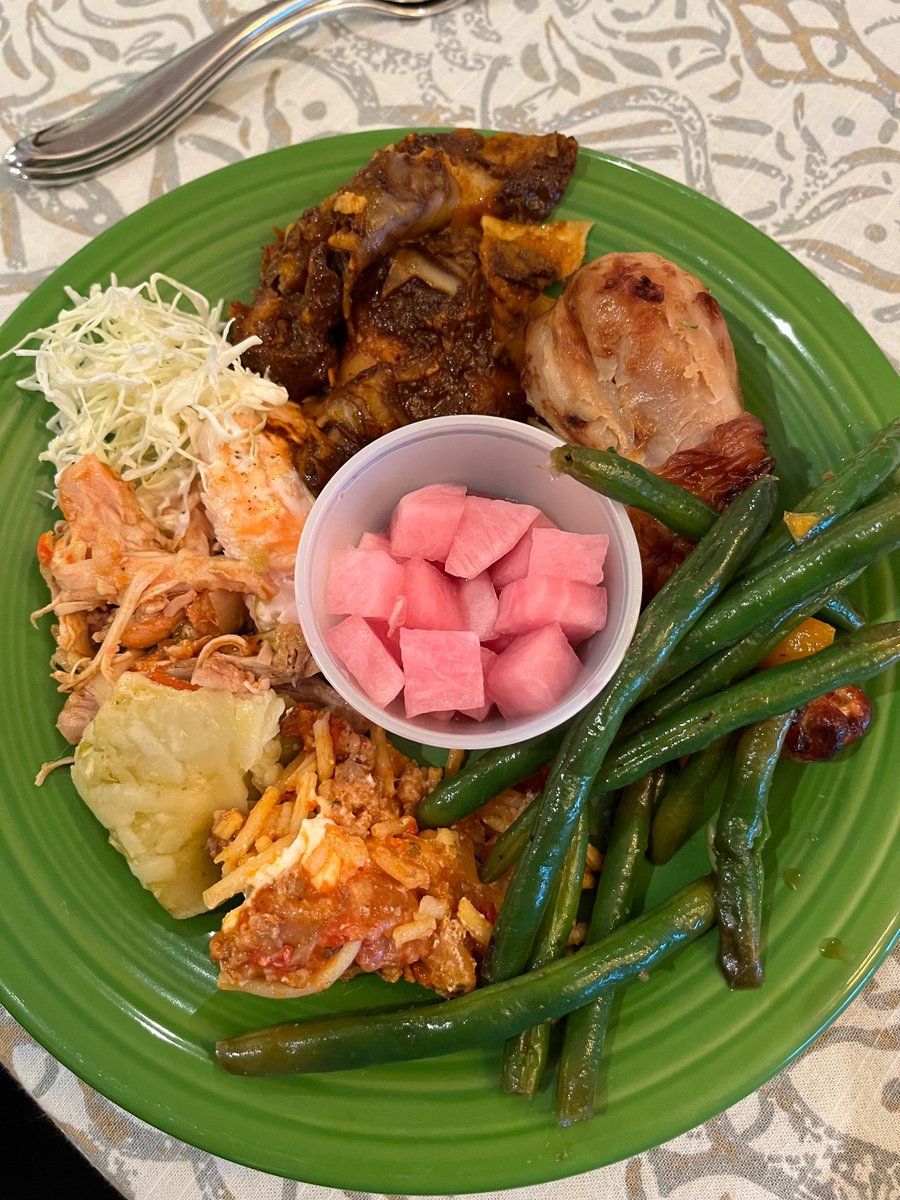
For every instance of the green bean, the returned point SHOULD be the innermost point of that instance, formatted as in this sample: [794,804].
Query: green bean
[525,1059]
[851,485]
[855,481]
[525,1055]
[483,778]
[849,659]
[737,848]
[484,1017]
[847,547]
[840,611]
[627,846]
[628,482]
[677,806]
[704,680]
[663,623]
[682,800]
[586,1027]
[681,511]
[721,669]
[509,846]
[601,807]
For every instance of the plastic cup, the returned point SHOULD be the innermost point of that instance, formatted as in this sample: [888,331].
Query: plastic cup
[493,457]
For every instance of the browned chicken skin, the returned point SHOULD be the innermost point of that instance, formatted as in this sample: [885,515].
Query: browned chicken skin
[717,470]
[634,357]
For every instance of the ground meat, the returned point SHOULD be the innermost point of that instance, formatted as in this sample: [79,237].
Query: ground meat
[359,874]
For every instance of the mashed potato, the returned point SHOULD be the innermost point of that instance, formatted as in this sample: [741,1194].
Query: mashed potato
[155,763]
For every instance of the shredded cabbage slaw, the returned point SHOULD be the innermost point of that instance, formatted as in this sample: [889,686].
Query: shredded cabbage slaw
[148,385]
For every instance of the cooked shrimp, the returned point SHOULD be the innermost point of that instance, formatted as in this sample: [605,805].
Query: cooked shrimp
[257,503]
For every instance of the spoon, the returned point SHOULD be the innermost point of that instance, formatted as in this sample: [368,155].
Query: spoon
[140,113]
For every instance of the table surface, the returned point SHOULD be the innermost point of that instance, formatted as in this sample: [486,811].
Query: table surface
[784,111]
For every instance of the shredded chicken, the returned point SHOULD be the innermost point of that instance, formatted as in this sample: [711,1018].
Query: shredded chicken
[126,599]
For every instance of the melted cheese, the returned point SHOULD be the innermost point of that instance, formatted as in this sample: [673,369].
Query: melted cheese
[309,836]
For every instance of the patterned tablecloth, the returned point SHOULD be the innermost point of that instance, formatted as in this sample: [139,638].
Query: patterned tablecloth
[785,111]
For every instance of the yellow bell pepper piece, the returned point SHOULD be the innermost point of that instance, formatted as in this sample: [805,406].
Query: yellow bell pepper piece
[800,523]
[810,636]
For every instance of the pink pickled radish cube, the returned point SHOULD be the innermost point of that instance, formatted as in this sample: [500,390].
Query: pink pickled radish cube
[487,530]
[576,556]
[479,714]
[536,600]
[388,639]
[424,522]
[374,541]
[515,564]
[432,600]
[363,583]
[499,642]
[479,602]
[397,615]
[533,673]
[355,643]
[441,670]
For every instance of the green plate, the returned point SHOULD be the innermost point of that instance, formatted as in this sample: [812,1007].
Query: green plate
[126,997]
